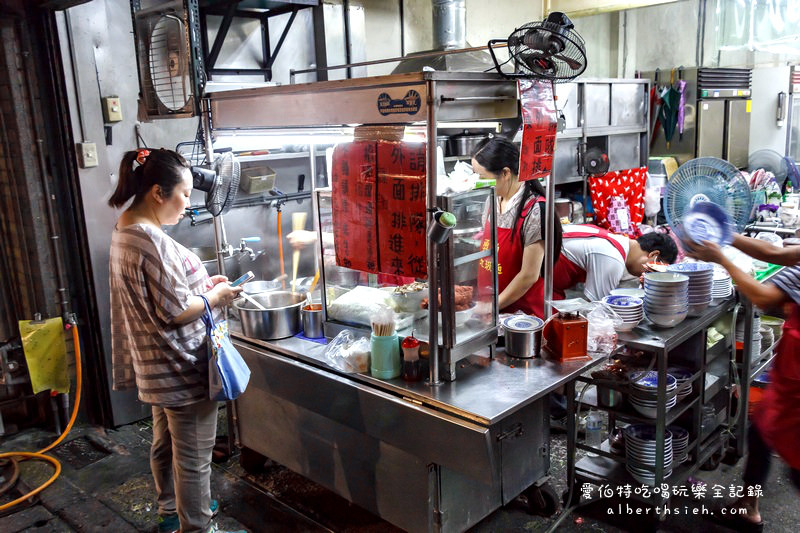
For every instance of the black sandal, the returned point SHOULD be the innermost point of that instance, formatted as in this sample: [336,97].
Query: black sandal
[737,522]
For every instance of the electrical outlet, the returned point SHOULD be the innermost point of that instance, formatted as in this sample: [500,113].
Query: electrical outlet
[87,155]
[112,109]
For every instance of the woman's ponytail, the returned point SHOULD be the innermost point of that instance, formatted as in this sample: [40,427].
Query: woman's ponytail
[126,181]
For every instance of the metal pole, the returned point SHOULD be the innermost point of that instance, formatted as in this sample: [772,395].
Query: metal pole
[433,267]
[549,229]
[220,244]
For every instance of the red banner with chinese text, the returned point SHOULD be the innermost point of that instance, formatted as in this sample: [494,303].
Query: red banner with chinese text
[401,209]
[353,190]
[539,124]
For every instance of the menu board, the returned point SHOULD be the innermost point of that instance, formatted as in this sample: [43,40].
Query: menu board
[379,198]
[353,195]
[401,208]
[539,125]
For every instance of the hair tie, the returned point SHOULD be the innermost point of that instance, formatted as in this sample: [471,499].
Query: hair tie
[141,155]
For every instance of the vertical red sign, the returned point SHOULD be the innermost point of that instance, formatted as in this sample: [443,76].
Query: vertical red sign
[539,124]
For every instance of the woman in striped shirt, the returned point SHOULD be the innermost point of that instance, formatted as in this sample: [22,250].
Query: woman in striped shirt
[776,423]
[158,338]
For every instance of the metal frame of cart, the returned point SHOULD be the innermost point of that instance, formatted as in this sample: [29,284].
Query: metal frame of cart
[436,456]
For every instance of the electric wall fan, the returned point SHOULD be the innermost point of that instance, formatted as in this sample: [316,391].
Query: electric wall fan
[550,49]
[707,179]
[595,162]
[169,54]
[783,168]
[220,183]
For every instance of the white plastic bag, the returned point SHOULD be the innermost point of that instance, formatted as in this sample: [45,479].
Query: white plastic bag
[602,333]
[348,354]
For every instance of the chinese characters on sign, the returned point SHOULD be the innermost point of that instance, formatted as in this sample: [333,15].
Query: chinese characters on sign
[539,124]
[379,198]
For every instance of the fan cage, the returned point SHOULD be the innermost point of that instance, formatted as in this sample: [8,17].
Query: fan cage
[166,79]
[221,197]
[769,161]
[707,179]
[565,65]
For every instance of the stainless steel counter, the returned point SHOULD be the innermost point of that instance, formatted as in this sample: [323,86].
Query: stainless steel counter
[485,392]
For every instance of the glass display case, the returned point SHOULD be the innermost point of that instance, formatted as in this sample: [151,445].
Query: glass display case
[467,315]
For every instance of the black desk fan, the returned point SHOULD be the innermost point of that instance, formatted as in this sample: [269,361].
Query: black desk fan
[549,49]
[220,183]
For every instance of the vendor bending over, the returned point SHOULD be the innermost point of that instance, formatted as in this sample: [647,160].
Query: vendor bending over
[599,259]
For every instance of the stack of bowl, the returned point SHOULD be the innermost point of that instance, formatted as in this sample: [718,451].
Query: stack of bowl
[640,453]
[628,291]
[666,298]
[644,392]
[683,376]
[629,309]
[722,287]
[680,444]
[755,353]
[701,276]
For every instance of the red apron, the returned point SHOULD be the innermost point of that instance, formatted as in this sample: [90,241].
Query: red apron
[567,274]
[509,264]
[778,414]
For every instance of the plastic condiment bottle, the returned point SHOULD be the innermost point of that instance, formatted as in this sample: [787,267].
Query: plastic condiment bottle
[411,363]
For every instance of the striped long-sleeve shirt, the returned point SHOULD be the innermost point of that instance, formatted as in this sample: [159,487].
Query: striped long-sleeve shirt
[788,280]
[152,279]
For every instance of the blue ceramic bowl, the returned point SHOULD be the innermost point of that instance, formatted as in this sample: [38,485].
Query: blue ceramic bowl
[690,268]
[706,221]
[650,379]
[623,301]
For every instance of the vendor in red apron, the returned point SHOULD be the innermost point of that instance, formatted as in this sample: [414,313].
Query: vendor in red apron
[600,260]
[776,421]
[520,229]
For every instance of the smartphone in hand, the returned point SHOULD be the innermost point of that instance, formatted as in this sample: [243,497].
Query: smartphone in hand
[243,279]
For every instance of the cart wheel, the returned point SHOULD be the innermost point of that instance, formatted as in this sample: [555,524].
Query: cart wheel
[730,457]
[575,500]
[252,461]
[713,462]
[542,500]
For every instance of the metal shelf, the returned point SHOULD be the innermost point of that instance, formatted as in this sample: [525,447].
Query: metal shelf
[626,412]
[276,157]
[763,363]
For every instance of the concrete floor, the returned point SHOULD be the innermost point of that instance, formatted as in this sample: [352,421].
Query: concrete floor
[115,493]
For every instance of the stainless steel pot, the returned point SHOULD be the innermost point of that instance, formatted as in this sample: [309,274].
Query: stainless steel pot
[441,141]
[280,320]
[523,336]
[464,144]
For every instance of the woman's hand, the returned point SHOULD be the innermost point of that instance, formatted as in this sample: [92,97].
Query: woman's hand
[301,238]
[707,251]
[223,294]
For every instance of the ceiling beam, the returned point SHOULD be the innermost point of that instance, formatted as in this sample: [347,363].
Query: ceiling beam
[582,8]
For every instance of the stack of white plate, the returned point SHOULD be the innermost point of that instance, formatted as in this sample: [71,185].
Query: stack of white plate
[683,377]
[666,298]
[701,276]
[680,444]
[767,337]
[629,309]
[722,286]
[644,392]
[640,453]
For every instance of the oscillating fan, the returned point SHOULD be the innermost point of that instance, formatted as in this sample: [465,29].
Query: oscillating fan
[595,162]
[220,183]
[780,166]
[707,179]
[550,49]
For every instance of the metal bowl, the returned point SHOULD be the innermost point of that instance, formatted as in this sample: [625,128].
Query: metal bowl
[281,318]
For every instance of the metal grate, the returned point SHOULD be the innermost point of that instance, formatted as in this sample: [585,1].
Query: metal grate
[79,453]
[724,78]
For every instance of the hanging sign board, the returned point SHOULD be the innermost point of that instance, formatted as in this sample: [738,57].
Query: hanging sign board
[539,124]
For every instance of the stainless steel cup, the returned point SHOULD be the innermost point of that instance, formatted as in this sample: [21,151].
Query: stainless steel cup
[312,322]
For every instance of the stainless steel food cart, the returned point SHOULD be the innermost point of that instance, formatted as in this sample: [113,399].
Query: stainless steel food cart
[429,456]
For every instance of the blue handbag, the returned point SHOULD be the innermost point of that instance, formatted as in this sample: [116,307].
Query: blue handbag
[228,374]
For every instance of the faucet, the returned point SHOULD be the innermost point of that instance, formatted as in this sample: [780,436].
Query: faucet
[244,249]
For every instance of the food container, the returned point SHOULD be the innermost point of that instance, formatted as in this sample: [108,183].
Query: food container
[257,179]
[441,142]
[523,335]
[281,318]
[464,144]
[312,321]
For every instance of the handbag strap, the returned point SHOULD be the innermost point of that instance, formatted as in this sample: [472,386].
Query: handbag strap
[208,317]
